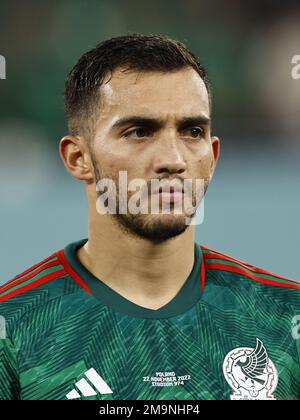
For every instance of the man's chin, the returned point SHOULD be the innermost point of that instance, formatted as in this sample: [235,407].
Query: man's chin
[155,228]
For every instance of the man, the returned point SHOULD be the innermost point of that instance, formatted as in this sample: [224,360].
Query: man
[139,310]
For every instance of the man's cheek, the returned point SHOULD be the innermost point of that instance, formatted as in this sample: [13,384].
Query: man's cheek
[202,167]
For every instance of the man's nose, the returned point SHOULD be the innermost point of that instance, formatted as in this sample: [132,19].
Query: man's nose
[169,156]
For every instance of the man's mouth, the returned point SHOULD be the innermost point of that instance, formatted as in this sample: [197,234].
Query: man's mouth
[170,193]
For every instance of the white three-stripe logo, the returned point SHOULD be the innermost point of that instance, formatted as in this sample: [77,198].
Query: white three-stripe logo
[86,389]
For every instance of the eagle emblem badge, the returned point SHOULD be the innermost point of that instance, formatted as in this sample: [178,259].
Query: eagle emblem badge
[250,373]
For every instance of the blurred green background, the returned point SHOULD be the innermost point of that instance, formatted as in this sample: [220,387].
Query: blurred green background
[253,205]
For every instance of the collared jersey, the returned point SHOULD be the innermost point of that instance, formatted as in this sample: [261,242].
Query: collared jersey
[231,332]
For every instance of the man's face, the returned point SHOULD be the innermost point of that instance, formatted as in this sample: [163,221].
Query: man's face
[154,125]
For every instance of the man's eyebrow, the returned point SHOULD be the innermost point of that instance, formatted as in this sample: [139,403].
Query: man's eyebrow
[138,120]
[193,121]
[157,123]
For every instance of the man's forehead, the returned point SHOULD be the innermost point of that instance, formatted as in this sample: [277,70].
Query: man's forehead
[141,89]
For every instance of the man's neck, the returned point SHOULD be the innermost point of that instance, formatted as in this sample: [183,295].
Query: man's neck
[150,275]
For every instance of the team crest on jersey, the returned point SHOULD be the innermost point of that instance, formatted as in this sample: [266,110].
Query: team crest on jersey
[250,373]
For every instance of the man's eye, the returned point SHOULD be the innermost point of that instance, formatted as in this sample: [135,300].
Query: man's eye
[137,133]
[194,132]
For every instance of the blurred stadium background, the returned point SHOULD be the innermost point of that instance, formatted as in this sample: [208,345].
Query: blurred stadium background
[253,205]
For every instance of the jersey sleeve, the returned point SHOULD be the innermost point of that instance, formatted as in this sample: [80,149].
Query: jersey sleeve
[297,338]
[9,378]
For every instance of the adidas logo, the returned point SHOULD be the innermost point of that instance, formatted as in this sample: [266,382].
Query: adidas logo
[86,389]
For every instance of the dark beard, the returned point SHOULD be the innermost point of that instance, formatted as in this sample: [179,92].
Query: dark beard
[155,231]
[142,225]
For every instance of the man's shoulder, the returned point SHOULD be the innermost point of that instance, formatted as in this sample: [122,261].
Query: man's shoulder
[229,267]
[48,280]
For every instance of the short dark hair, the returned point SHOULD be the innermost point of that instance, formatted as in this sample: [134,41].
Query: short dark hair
[134,52]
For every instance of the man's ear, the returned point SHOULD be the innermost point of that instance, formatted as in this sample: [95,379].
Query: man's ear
[75,155]
[215,144]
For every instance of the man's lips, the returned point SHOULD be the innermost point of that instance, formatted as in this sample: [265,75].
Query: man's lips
[169,189]
[170,194]
[171,197]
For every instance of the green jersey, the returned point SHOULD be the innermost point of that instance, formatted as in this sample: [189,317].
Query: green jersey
[231,332]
